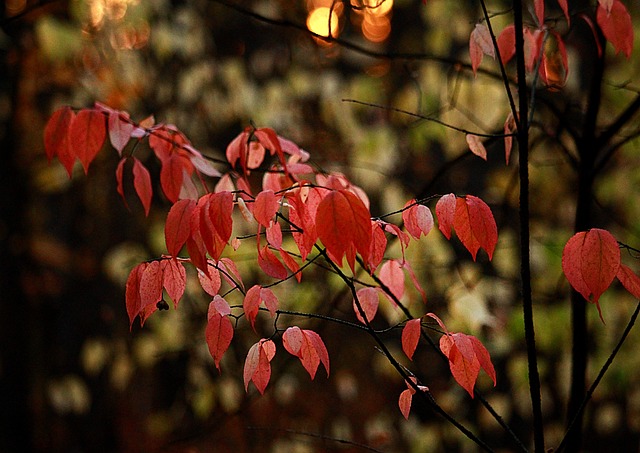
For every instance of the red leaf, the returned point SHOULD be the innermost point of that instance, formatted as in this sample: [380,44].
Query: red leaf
[629,280]
[392,275]
[507,43]
[445,212]
[616,26]
[251,304]
[174,279]
[342,220]
[555,62]
[404,402]
[237,150]
[606,4]
[171,176]
[539,8]
[410,337]
[87,133]
[210,281]
[265,207]
[590,261]
[463,369]
[220,208]
[177,228]
[378,245]
[132,292]
[291,264]
[270,264]
[119,177]
[274,235]
[257,367]
[417,219]
[218,333]
[142,184]
[269,139]
[151,285]
[483,357]
[476,146]
[229,268]
[302,215]
[119,130]
[480,43]
[308,347]
[475,226]
[56,137]
[368,298]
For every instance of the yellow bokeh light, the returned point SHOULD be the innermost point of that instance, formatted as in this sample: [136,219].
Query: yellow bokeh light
[320,19]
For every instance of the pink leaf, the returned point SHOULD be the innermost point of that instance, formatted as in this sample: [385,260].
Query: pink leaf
[410,337]
[368,298]
[480,43]
[219,305]
[274,235]
[445,212]
[270,264]
[417,219]
[476,146]
[539,8]
[119,130]
[256,365]
[210,281]
[392,275]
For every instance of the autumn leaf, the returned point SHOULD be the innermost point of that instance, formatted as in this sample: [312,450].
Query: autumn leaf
[538,5]
[177,227]
[392,276]
[616,26]
[120,130]
[476,146]
[378,245]
[417,219]
[507,43]
[368,298]
[410,337]
[133,300]
[445,212]
[590,261]
[174,279]
[270,264]
[480,44]
[219,331]
[252,300]
[343,221]
[510,128]
[475,226]
[56,138]
[629,280]
[308,347]
[87,133]
[142,185]
[151,283]
[463,364]
[406,396]
[256,365]
[265,207]
[210,280]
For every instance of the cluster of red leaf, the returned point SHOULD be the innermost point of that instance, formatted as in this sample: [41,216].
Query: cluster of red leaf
[324,213]
[545,51]
[591,260]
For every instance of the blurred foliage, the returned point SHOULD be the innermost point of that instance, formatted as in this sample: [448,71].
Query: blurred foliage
[211,69]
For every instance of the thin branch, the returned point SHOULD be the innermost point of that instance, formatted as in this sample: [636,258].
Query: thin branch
[427,118]
[578,416]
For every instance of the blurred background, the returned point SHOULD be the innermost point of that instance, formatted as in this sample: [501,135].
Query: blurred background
[73,378]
